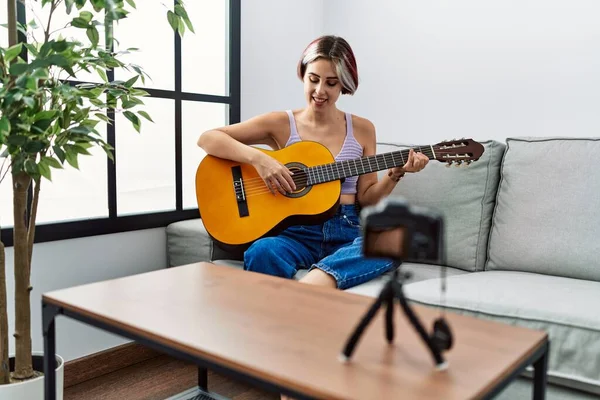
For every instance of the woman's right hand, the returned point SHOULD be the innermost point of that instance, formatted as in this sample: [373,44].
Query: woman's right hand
[277,176]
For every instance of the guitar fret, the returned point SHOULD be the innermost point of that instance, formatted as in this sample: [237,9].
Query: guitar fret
[363,165]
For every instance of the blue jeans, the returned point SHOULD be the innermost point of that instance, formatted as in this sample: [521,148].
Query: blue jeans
[334,247]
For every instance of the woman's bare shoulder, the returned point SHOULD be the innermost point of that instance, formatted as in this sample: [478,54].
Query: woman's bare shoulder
[274,117]
[363,128]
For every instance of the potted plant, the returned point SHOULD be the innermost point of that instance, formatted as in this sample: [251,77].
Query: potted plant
[46,123]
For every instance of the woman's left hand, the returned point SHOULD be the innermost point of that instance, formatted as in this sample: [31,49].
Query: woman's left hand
[416,162]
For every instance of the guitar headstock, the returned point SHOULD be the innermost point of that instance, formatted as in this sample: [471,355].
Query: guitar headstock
[458,151]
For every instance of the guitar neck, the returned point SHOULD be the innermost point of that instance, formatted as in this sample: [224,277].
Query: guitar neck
[344,169]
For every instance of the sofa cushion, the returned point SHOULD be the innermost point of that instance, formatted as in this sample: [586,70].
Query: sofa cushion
[566,308]
[548,208]
[419,272]
[463,195]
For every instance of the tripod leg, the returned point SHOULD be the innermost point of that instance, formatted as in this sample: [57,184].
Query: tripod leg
[385,294]
[389,318]
[435,352]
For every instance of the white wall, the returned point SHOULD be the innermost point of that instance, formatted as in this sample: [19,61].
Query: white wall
[67,263]
[274,34]
[469,68]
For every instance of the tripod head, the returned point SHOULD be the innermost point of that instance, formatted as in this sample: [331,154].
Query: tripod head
[396,230]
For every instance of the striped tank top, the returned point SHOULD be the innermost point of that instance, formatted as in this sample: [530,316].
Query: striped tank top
[351,149]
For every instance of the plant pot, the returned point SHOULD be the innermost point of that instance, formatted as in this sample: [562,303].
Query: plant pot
[33,389]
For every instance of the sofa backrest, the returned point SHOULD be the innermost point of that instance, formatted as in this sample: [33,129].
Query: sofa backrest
[547,211]
[463,195]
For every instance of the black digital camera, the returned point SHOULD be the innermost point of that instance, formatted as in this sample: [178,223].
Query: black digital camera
[394,229]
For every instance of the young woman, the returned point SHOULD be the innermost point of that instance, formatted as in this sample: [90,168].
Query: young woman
[330,251]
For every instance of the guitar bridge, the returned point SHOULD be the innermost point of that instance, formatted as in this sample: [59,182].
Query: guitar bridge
[240,192]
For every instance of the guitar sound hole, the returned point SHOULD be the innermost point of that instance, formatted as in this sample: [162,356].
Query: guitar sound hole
[300,178]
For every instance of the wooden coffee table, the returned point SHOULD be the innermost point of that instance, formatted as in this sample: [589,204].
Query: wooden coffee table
[286,336]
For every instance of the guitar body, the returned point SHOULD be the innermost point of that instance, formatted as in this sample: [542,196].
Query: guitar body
[234,224]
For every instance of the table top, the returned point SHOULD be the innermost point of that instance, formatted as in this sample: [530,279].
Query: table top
[291,333]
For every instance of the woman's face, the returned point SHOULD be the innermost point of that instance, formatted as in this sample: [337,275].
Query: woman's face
[322,86]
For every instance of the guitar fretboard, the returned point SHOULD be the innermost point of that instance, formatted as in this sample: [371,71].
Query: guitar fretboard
[344,169]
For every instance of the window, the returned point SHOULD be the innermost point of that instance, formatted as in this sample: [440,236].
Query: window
[193,86]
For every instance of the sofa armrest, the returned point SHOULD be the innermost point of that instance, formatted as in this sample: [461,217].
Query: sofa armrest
[188,242]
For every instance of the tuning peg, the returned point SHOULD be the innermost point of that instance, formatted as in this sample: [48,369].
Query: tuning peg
[458,163]
[448,164]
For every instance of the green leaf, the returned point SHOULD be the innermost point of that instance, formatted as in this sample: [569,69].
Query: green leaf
[18,69]
[98,5]
[173,20]
[29,101]
[134,119]
[103,117]
[52,162]
[34,146]
[12,52]
[145,115]
[179,10]
[45,115]
[31,84]
[45,170]
[40,73]
[131,3]
[131,81]
[69,5]
[59,153]
[102,74]
[42,126]
[32,49]
[181,26]
[93,35]
[31,167]
[4,126]
[59,46]
[83,130]
[86,16]
[16,140]
[59,60]
[79,22]
[71,157]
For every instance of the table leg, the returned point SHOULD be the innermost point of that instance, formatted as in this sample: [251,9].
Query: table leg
[203,378]
[540,374]
[49,313]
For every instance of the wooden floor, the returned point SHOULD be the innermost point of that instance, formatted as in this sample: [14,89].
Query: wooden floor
[157,379]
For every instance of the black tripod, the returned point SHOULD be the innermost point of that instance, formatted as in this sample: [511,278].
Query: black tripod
[441,338]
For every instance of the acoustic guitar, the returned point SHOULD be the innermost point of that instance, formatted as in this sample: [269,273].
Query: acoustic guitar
[237,207]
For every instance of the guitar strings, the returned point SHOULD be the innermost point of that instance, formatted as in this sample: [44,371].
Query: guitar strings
[257,186]
[387,157]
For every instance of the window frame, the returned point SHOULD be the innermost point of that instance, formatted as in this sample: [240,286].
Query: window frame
[48,232]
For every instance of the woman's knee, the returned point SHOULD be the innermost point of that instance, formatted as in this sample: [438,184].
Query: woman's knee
[264,256]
